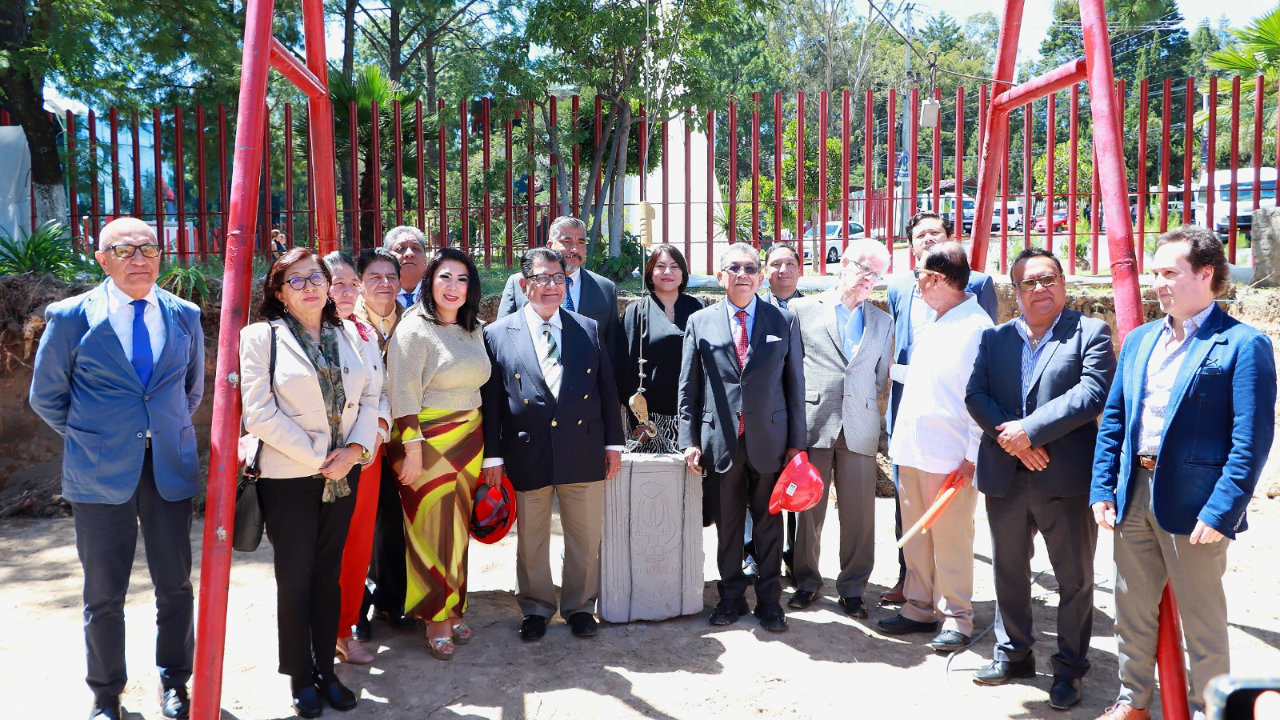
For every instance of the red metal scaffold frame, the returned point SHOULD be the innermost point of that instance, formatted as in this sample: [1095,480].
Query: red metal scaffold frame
[261,51]
[1095,69]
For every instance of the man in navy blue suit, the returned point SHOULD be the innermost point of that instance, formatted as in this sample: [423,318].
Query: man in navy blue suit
[552,421]
[119,372]
[1184,435]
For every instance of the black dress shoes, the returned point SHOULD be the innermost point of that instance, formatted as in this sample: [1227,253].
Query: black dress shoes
[726,612]
[583,624]
[802,599]
[174,702]
[362,630]
[854,607]
[1065,692]
[898,625]
[1002,671]
[771,617]
[306,702]
[533,628]
[949,641]
[338,696]
[106,707]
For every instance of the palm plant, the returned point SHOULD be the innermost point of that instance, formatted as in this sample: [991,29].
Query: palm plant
[1256,52]
[368,85]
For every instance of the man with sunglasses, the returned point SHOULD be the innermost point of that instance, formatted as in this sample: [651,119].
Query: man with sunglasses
[848,348]
[935,442]
[1038,385]
[741,407]
[910,315]
[119,371]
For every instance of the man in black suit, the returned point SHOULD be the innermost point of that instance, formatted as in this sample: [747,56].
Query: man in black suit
[742,412]
[585,292]
[1038,385]
[552,424]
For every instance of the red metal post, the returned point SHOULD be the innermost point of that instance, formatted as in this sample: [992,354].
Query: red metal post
[1004,207]
[1073,187]
[215,562]
[397,178]
[577,164]
[532,226]
[890,164]
[375,169]
[508,205]
[114,119]
[800,180]
[1026,177]
[957,210]
[935,180]
[73,189]
[733,172]
[464,188]
[201,181]
[137,165]
[755,170]
[1095,220]
[644,155]
[1140,232]
[777,171]
[821,262]
[224,179]
[868,162]
[913,157]
[1166,148]
[846,123]
[264,229]
[421,165]
[553,174]
[1234,160]
[1050,185]
[1211,153]
[354,170]
[95,205]
[711,185]
[1258,100]
[486,129]
[288,171]
[996,133]
[179,184]
[441,142]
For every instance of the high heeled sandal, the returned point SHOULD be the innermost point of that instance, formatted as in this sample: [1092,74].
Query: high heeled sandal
[462,633]
[440,648]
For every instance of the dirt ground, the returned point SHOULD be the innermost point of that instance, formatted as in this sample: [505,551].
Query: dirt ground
[827,666]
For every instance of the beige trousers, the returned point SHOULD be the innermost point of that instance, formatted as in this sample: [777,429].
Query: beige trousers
[582,520]
[939,582]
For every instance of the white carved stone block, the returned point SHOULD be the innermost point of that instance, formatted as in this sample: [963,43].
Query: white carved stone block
[651,551]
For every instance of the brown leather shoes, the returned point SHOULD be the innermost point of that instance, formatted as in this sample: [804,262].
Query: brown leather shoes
[893,596]
[1125,711]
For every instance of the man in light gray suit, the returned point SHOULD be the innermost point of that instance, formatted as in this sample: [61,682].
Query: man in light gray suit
[1037,388]
[848,348]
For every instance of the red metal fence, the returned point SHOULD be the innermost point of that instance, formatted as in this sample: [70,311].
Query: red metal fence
[479,197]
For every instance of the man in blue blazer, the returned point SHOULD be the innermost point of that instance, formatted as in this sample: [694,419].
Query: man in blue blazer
[1037,388]
[1184,435]
[586,293]
[552,422]
[119,371]
[910,313]
[742,417]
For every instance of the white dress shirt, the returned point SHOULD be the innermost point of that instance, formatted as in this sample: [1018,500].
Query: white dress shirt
[934,431]
[120,313]
[573,288]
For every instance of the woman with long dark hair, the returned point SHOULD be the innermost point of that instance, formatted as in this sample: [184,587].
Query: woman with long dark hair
[316,415]
[436,363]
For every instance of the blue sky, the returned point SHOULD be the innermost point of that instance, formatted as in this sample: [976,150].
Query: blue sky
[1037,14]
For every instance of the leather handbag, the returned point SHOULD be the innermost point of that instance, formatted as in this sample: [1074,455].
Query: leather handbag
[246,533]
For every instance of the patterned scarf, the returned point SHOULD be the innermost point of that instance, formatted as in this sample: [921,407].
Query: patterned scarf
[327,360]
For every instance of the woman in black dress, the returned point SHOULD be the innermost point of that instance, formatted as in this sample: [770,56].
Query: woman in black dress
[654,330]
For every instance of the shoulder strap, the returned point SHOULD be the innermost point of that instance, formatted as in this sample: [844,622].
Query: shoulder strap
[271,373]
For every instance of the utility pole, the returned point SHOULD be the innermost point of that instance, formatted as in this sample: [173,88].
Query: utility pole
[904,193]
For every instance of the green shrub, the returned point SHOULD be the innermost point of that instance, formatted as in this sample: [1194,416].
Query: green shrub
[630,257]
[46,250]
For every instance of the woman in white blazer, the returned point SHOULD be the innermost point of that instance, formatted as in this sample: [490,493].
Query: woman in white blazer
[317,419]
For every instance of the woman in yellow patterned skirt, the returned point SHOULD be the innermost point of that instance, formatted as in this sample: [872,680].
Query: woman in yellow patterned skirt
[436,363]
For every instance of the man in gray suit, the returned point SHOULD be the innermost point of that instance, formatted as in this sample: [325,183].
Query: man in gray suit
[848,348]
[585,292]
[742,416]
[1038,385]
[782,270]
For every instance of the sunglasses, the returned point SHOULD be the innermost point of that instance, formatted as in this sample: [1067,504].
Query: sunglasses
[124,251]
[743,269]
[1044,281]
[315,278]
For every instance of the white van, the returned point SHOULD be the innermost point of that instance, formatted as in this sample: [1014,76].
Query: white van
[1246,185]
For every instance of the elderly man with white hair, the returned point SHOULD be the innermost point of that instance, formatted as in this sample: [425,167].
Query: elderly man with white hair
[409,245]
[119,372]
[848,348]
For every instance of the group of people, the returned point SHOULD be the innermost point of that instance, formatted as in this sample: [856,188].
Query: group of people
[382,403]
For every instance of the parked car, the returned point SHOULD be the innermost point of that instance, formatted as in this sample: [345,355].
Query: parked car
[1014,213]
[1059,222]
[835,240]
[1246,185]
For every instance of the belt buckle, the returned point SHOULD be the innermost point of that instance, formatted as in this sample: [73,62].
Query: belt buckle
[1147,462]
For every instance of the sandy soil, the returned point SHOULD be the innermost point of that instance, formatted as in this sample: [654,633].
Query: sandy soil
[827,666]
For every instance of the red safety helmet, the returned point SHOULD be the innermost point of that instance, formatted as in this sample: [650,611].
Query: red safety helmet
[799,486]
[493,511]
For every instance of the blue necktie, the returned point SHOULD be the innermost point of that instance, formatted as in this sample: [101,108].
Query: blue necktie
[406,298]
[568,295]
[142,360]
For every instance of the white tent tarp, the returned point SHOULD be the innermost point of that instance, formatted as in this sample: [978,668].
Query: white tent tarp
[15,182]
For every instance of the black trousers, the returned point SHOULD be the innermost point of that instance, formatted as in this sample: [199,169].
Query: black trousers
[741,489]
[307,536]
[106,539]
[387,565]
[1070,536]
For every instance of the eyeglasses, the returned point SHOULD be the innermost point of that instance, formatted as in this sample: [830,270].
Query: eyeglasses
[124,251]
[381,279]
[315,278]
[545,280]
[1044,281]
[865,270]
[921,272]
[735,269]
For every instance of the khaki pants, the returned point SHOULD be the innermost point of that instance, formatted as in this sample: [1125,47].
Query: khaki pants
[939,582]
[582,520]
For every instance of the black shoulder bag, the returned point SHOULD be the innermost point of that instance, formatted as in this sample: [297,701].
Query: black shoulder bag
[246,533]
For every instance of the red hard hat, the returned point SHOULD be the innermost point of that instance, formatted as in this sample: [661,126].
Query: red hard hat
[799,486]
[493,511]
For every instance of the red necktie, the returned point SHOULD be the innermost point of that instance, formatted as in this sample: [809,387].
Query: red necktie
[740,344]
